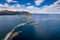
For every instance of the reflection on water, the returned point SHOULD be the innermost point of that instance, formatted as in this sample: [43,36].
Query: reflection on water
[48,26]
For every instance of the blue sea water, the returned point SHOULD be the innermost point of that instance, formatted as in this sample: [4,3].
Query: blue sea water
[47,29]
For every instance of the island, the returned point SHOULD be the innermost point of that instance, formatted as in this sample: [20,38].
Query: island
[6,12]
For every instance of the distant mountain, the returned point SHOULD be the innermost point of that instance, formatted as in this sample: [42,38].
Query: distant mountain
[6,12]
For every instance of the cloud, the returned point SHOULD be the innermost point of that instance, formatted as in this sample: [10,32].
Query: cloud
[28,4]
[30,7]
[11,1]
[38,2]
[6,6]
[52,9]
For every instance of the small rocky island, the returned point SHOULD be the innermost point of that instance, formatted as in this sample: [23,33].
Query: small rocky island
[6,12]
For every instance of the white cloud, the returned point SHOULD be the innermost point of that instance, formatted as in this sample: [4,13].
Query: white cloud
[52,9]
[28,4]
[11,1]
[38,2]
[4,7]
[30,7]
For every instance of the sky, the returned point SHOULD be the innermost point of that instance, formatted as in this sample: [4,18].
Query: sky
[32,6]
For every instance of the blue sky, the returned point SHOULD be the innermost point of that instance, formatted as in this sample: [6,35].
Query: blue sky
[33,6]
[24,2]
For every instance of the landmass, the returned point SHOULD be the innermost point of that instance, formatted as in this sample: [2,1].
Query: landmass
[6,12]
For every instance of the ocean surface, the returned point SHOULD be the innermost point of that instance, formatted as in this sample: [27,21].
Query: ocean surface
[48,27]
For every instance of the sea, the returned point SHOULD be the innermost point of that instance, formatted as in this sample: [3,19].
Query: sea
[48,27]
